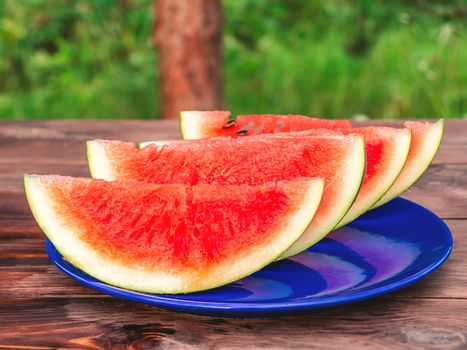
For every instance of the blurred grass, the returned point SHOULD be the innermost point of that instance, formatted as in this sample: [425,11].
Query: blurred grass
[76,59]
[93,59]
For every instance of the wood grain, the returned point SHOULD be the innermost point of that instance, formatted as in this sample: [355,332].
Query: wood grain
[23,262]
[382,323]
[40,308]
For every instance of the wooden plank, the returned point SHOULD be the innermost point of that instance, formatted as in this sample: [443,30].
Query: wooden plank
[18,152]
[58,147]
[116,324]
[24,264]
[65,139]
[93,128]
[69,131]
[442,189]
[53,311]
[89,128]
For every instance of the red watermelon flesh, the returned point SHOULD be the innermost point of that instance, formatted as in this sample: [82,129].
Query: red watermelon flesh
[386,153]
[340,160]
[171,238]
[198,125]
[425,141]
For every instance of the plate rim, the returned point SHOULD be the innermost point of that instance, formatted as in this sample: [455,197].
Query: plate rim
[206,307]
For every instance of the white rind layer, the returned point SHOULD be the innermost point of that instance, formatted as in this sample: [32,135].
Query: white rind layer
[395,163]
[82,255]
[415,168]
[98,162]
[191,126]
[352,173]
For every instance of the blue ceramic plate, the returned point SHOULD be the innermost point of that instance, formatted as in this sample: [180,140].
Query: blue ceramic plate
[384,250]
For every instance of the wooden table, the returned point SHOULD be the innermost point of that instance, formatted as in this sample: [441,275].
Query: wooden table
[40,308]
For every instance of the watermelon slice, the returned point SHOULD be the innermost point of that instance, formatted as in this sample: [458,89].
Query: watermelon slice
[386,153]
[340,160]
[386,148]
[198,125]
[426,139]
[171,238]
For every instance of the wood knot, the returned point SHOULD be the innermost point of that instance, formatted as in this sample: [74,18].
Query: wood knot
[434,336]
[128,336]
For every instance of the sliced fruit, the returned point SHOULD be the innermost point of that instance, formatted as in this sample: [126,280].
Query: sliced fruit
[385,179]
[386,153]
[171,238]
[340,160]
[198,125]
[426,139]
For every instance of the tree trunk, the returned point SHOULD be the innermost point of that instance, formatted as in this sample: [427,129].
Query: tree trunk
[188,38]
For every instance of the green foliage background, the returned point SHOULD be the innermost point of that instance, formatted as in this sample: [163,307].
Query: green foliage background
[337,58]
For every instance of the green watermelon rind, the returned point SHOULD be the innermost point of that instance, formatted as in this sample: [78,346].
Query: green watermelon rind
[355,181]
[395,167]
[81,255]
[414,176]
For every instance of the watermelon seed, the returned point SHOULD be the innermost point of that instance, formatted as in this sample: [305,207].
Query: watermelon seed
[245,130]
[278,128]
[259,128]
[229,124]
